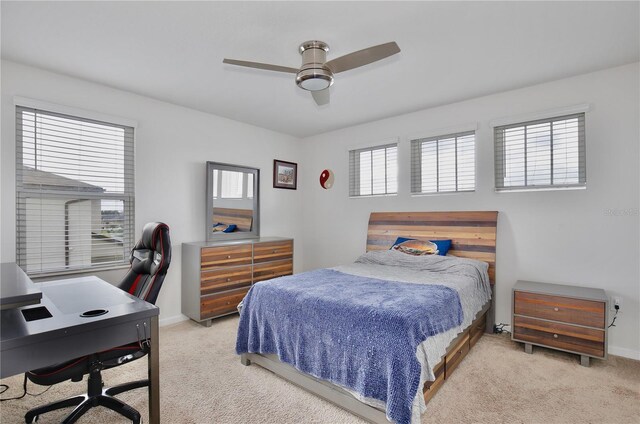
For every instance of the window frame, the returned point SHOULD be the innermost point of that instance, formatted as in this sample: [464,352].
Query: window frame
[354,165]
[416,163]
[500,152]
[22,193]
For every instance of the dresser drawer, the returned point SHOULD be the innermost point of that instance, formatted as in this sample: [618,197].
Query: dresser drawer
[268,270]
[272,251]
[222,279]
[457,354]
[221,303]
[574,311]
[212,257]
[582,340]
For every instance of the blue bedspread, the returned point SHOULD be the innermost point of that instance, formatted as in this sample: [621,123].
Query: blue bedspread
[359,333]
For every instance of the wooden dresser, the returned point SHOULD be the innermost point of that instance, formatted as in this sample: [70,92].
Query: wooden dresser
[568,318]
[217,275]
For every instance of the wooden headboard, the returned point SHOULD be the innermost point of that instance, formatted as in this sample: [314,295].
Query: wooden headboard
[243,218]
[473,234]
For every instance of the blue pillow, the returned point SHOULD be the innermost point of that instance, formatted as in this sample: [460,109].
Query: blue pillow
[224,228]
[443,245]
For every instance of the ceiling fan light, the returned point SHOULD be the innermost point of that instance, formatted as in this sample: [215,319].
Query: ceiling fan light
[314,79]
[315,84]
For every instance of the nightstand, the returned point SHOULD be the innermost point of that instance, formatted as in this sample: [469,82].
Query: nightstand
[568,318]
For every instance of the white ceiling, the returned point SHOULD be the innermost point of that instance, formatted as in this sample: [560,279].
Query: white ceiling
[451,51]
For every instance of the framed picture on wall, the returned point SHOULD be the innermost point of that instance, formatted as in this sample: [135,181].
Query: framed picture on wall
[285,174]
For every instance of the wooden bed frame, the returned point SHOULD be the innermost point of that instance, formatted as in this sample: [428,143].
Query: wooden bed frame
[473,235]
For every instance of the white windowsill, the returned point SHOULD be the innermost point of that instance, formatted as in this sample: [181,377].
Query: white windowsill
[522,190]
[373,195]
[442,193]
[92,270]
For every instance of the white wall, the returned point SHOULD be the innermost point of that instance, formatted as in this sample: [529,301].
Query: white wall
[551,236]
[554,236]
[172,145]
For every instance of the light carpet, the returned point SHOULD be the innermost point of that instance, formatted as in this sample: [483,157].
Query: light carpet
[202,381]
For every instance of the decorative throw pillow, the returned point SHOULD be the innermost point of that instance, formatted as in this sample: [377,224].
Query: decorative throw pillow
[417,247]
[443,245]
[224,228]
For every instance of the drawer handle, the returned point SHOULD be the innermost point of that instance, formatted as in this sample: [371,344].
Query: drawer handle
[228,256]
[228,279]
[228,303]
[555,336]
[275,251]
[556,309]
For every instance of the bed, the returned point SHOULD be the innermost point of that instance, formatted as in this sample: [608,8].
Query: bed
[411,358]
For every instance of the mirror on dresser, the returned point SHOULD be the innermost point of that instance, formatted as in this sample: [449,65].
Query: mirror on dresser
[233,207]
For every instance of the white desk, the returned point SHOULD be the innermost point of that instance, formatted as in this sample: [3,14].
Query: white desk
[27,345]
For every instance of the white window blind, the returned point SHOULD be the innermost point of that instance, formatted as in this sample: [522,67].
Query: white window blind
[541,154]
[232,185]
[74,192]
[444,163]
[373,171]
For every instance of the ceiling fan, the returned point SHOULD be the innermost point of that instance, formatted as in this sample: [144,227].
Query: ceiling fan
[316,74]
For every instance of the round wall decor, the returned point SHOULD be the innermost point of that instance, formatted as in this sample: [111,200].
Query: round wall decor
[326,179]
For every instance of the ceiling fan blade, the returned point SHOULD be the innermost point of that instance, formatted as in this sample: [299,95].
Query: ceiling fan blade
[362,57]
[321,97]
[265,66]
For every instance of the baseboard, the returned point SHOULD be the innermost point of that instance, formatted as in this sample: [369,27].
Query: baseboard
[172,320]
[627,353]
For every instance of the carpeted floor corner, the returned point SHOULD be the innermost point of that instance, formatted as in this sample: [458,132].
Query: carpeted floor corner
[202,381]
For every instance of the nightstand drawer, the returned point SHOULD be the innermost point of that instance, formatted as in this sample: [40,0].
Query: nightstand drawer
[582,340]
[574,311]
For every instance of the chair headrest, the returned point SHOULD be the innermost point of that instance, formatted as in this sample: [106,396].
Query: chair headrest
[152,253]
[149,235]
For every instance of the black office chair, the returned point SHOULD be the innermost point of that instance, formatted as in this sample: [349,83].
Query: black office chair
[150,259]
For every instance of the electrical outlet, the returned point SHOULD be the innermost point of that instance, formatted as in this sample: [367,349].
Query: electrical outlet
[616,301]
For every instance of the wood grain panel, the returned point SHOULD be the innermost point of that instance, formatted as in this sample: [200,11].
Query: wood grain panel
[557,308]
[561,341]
[272,251]
[226,256]
[473,233]
[477,330]
[456,355]
[590,334]
[431,387]
[221,303]
[273,269]
[227,278]
[243,218]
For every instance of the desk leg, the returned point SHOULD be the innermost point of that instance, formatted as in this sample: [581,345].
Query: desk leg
[154,374]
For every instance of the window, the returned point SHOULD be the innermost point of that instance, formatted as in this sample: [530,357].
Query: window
[232,185]
[541,154]
[444,163]
[74,192]
[373,171]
